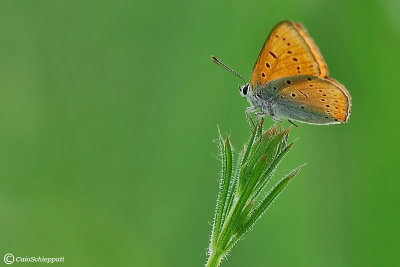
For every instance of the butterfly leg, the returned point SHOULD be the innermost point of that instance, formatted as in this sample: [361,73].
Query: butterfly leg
[275,118]
[293,123]
[260,122]
[260,116]
[285,137]
[248,117]
[260,127]
[281,125]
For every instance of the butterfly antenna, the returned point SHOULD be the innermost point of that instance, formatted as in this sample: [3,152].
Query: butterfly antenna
[227,68]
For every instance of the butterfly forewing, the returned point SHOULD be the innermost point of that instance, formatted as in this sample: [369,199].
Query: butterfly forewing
[288,51]
[312,99]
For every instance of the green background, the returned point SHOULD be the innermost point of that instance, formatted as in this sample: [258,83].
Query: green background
[109,113]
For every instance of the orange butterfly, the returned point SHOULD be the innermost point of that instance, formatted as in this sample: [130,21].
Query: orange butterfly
[290,80]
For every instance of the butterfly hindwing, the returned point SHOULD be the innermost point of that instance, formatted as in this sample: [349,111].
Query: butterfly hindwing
[288,51]
[311,99]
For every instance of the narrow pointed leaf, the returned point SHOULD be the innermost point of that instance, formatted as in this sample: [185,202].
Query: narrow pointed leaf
[228,179]
[224,185]
[258,169]
[249,146]
[259,210]
[243,216]
[271,150]
[268,173]
[258,151]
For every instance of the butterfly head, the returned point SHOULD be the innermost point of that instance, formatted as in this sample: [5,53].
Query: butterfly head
[244,90]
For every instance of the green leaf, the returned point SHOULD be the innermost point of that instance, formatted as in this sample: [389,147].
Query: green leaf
[249,146]
[244,174]
[268,173]
[259,210]
[228,187]
[243,216]
[258,169]
[271,149]
[243,156]
[224,186]
[259,149]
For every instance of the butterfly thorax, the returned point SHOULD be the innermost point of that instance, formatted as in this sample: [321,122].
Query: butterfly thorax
[263,98]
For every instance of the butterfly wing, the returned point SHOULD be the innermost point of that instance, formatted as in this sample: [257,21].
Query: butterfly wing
[311,99]
[288,51]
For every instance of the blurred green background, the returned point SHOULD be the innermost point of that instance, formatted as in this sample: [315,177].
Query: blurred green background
[109,112]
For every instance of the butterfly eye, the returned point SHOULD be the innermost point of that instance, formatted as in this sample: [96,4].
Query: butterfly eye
[245,89]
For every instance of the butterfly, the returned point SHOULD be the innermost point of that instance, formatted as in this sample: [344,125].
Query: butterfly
[290,81]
